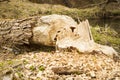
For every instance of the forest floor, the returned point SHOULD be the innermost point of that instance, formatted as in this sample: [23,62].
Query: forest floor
[49,65]
[40,65]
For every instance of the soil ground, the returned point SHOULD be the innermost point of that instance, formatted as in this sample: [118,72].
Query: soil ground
[49,65]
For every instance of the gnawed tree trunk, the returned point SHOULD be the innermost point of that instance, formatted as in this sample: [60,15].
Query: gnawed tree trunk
[63,32]
[54,30]
[82,40]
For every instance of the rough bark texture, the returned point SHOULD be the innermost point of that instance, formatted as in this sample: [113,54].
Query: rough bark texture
[15,32]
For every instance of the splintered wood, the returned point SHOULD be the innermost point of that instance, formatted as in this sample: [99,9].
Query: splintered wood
[52,30]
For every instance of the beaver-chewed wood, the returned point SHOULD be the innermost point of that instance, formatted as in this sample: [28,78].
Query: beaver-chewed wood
[60,31]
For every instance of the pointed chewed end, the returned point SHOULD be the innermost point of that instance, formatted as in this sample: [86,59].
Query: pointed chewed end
[109,51]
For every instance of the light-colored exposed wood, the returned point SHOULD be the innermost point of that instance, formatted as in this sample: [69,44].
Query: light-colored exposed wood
[52,30]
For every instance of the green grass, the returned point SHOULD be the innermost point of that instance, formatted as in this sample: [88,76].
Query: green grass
[41,68]
[21,9]
[18,9]
[32,68]
[109,37]
[8,64]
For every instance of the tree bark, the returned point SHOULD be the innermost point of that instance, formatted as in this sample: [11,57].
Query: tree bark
[15,32]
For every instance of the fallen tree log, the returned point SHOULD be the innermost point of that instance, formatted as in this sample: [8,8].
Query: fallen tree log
[53,30]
